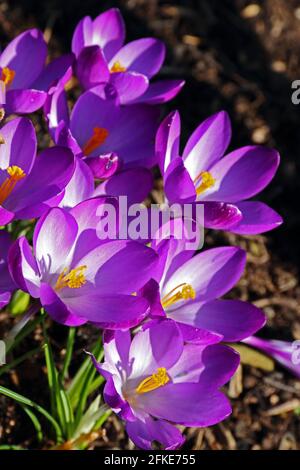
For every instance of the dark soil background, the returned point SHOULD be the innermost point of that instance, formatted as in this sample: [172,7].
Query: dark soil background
[240,56]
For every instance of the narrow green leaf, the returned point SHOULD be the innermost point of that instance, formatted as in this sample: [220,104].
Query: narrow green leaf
[35,422]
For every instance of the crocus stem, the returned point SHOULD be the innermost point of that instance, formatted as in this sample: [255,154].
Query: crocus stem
[69,351]
[17,329]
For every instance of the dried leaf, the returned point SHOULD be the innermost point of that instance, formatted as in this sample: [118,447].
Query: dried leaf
[253,358]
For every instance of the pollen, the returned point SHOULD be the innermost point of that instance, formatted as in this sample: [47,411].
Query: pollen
[7,76]
[156,380]
[99,136]
[181,292]
[206,181]
[15,174]
[117,67]
[73,279]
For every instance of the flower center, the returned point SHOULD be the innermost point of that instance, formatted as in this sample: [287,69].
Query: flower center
[156,380]
[15,174]
[182,292]
[206,181]
[117,67]
[98,138]
[72,279]
[7,76]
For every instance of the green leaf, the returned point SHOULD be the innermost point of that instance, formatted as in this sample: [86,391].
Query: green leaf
[35,422]
[19,303]
[27,402]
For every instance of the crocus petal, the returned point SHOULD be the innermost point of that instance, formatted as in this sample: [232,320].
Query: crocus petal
[20,144]
[207,144]
[109,32]
[50,174]
[211,273]
[257,218]
[83,35]
[161,92]
[160,345]
[116,346]
[143,433]
[54,71]
[80,187]
[178,184]
[23,267]
[26,56]
[24,101]
[120,184]
[189,404]
[57,309]
[129,85]
[143,55]
[219,215]
[91,67]
[233,319]
[57,113]
[4,299]
[5,216]
[167,141]
[242,174]
[54,236]
[214,365]
[104,166]
[110,311]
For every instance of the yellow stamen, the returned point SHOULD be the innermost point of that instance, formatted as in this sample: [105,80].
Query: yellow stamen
[7,76]
[117,67]
[99,137]
[15,174]
[159,379]
[185,293]
[72,279]
[207,181]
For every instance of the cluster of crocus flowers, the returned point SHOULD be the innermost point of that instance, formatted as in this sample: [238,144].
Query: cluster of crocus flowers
[158,303]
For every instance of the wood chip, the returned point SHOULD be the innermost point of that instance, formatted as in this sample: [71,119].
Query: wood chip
[286,407]
[236,383]
[253,358]
[251,11]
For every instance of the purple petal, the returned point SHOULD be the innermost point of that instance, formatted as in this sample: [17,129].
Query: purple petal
[159,345]
[167,141]
[26,56]
[121,185]
[129,85]
[57,113]
[189,404]
[207,144]
[83,35]
[257,218]
[242,174]
[23,267]
[20,144]
[143,56]
[54,236]
[91,67]
[161,92]
[109,32]
[144,433]
[24,101]
[104,166]
[4,299]
[178,184]
[109,311]
[5,216]
[57,309]
[80,187]
[50,174]
[219,215]
[211,273]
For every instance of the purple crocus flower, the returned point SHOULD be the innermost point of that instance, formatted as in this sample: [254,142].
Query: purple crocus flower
[155,381]
[24,78]
[223,184]
[102,57]
[116,143]
[285,352]
[27,181]
[77,276]
[7,286]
